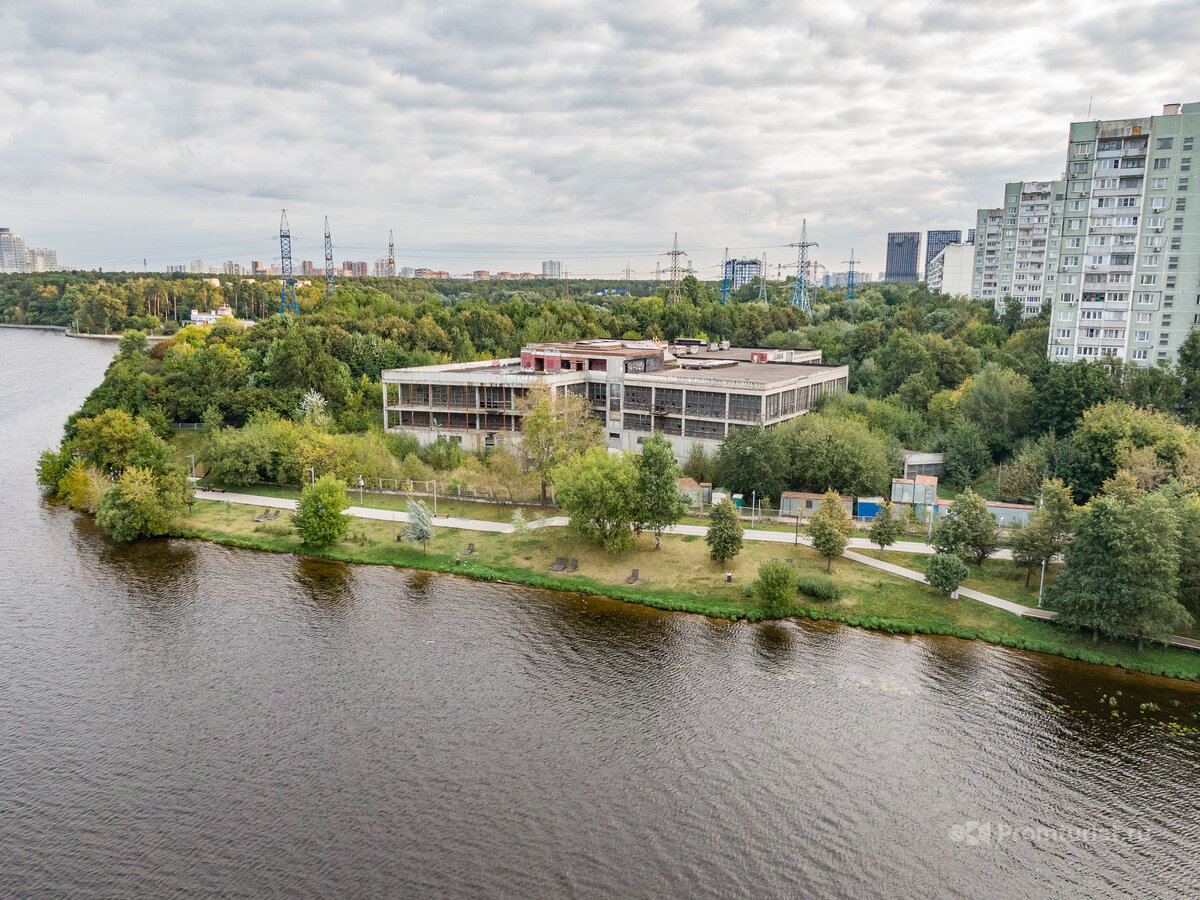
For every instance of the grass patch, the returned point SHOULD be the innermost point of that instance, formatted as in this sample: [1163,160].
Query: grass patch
[681,577]
[999,577]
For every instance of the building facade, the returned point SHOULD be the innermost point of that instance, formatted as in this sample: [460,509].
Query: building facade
[836,281]
[950,272]
[985,278]
[903,255]
[741,272]
[551,268]
[693,393]
[1128,280]
[935,241]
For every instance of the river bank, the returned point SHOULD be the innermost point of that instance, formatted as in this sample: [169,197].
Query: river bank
[680,577]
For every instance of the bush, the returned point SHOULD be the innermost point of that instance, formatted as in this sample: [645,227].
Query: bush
[818,587]
[774,586]
[319,519]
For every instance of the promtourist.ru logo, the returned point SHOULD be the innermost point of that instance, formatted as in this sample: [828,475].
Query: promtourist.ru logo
[974,834]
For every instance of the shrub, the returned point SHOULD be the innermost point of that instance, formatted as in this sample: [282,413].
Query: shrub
[818,587]
[774,586]
[319,519]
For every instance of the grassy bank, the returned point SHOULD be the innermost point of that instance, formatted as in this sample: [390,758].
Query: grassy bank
[681,577]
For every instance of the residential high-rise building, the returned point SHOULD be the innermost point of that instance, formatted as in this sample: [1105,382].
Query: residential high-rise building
[970,235]
[1129,266]
[950,272]
[935,241]
[13,256]
[985,279]
[1033,212]
[552,268]
[836,281]
[41,259]
[903,255]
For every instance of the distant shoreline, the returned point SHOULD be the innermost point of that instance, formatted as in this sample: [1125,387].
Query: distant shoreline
[61,329]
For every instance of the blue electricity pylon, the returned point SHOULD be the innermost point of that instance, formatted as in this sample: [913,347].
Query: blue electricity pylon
[726,272]
[850,276]
[287,294]
[800,290]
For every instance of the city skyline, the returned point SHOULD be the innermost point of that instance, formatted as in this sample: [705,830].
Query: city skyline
[589,135]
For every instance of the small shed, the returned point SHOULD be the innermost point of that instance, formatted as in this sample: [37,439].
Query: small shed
[690,489]
[804,504]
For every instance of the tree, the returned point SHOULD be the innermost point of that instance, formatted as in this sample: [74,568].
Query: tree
[827,452]
[139,505]
[132,342]
[520,526]
[776,584]
[966,453]
[555,427]
[945,572]
[752,461]
[600,492]
[420,523]
[1048,530]
[830,528]
[724,537]
[998,402]
[1121,573]
[886,527]
[699,465]
[967,529]
[319,519]
[663,504]
[1188,366]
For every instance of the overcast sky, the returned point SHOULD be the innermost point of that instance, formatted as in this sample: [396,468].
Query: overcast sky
[497,134]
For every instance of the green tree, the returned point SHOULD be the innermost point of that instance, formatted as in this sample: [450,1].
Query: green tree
[600,492]
[555,427]
[886,527]
[1121,572]
[663,504]
[133,342]
[826,452]
[699,465]
[140,504]
[945,572]
[752,461]
[967,529]
[830,528]
[967,453]
[776,586]
[420,523]
[998,402]
[724,536]
[319,518]
[1188,367]
[1048,530]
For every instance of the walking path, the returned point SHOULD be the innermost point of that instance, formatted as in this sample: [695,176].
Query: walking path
[750,534]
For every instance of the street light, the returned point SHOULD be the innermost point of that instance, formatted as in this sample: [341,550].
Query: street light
[314,474]
[192,457]
[360,487]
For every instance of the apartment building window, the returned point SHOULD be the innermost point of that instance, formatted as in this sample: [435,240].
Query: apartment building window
[1070,260]
[1185,164]
[1155,221]
[1075,205]
[1158,204]
[1178,226]
[1080,149]
[1149,261]
[1162,163]
[1097,260]
[1164,143]
[1147,279]
[1106,202]
[1064,332]
[1175,243]
[1074,224]
[1126,221]
[1103,164]
[1153,243]
[1139,354]
[1181,204]
[1158,184]
[1141,335]
[1064,315]
[1187,143]
[1126,202]
[1183,184]
[1073,243]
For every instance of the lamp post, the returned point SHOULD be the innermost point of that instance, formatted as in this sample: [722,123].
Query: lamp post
[1042,580]
[312,469]
[360,489]
[192,457]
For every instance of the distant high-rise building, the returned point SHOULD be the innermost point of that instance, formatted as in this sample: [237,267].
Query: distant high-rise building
[903,255]
[950,271]
[257,268]
[970,235]
[551,268]
[406,272]
[1019,254]
[173,270]
[741,272]
[1129,265]
[481,275]
[41,259]
[935,241]
[307,267]
[985,277]
[836,281]
[13,256]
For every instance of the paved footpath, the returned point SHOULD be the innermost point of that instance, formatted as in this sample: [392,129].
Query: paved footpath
[750,534]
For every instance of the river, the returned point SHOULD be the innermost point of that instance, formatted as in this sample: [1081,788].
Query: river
[181,718]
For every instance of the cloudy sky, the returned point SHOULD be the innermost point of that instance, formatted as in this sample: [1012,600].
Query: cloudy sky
[497,134]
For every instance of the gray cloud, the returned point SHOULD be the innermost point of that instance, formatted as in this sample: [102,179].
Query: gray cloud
[495,135]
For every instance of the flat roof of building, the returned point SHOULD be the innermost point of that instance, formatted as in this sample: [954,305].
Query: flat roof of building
[760,373]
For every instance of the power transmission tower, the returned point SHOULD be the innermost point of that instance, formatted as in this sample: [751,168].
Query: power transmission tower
[726,269]
[628,278]
[762,278]
[287,294]
[850,276]
[658,271]
[673,295]
[800,291]
[391,260]
[330,281]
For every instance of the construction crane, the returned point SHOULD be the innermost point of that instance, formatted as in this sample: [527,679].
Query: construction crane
[287,293]
[850,276]
[800,290]
[330,281]
[673,295]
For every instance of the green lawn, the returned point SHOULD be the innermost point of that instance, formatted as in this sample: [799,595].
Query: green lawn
[998,577]
[680,576]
